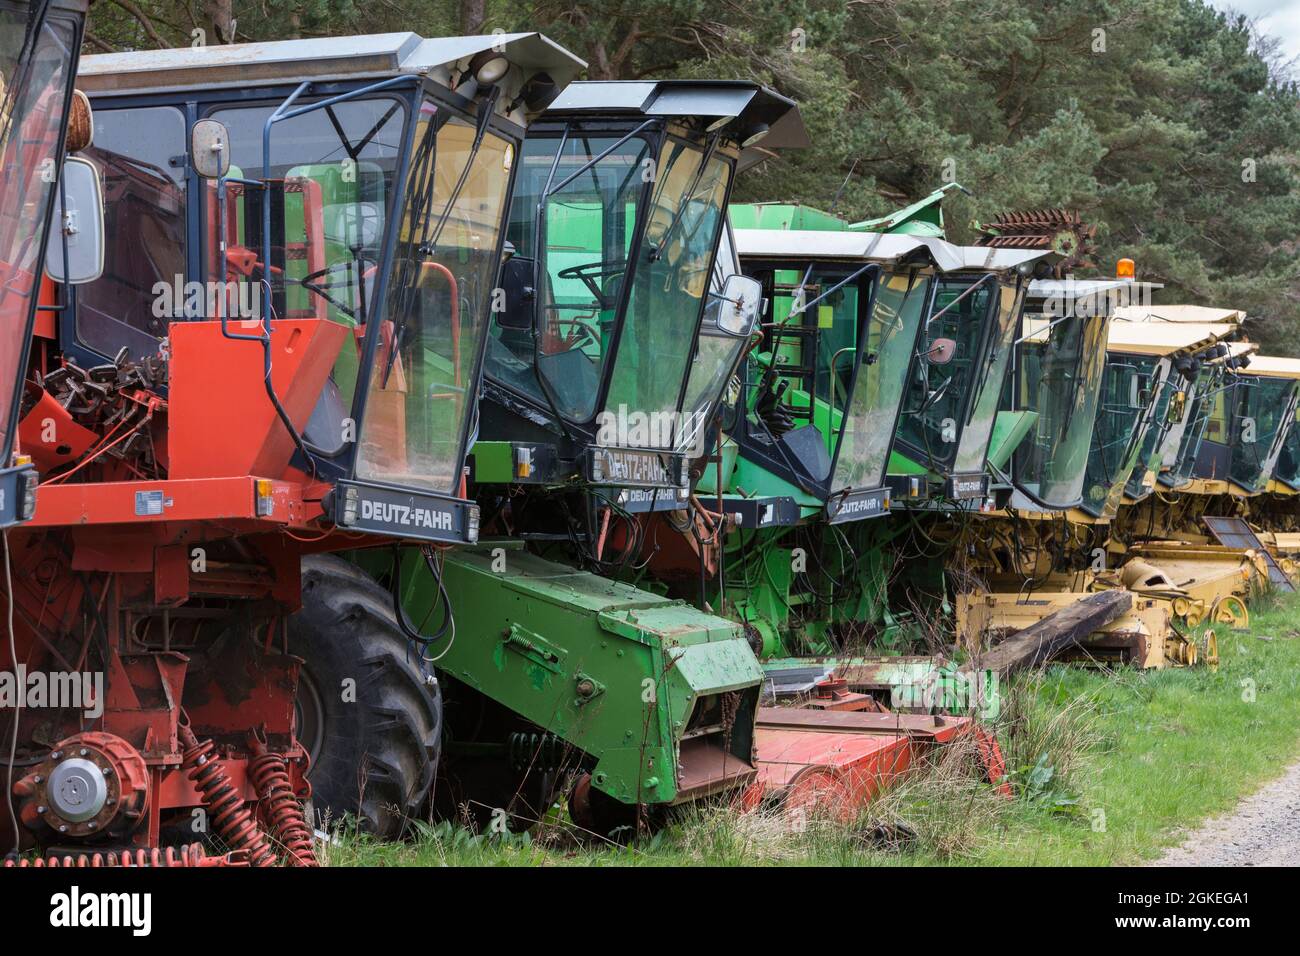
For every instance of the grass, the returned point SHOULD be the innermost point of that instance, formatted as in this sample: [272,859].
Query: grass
[1109,767]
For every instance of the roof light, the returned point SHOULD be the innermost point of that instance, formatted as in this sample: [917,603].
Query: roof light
[1125,269]
[754,134]
[488,67]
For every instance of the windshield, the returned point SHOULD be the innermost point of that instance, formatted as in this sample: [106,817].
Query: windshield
[1147,465]
[1263,406]
[1195,424]
[937,394]
[330,220]
[881,377]
[1058,377]
[1288,461]
[1127,390]
[671,277]
[588,227]
[34,85]
[973,443]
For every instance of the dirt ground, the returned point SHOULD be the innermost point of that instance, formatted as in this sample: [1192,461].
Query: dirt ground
[1263,830]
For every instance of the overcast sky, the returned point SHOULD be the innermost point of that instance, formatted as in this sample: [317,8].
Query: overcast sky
[1281,18]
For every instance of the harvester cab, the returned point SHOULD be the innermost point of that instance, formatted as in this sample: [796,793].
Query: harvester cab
[611,351]
[1191,353]
[339,228]
[821,393]
[1055,390]
[280,359]
[39,44]
[949,418]
[1183,444]
[942,434]
[1149,369]
[1249,418]
[1287,470]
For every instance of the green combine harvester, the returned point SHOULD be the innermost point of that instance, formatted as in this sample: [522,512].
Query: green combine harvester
[608,353]
[872,392]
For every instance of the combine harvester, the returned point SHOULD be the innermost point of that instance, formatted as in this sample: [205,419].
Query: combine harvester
[1100,417]
[279,360]
[1195,538]
[610,319]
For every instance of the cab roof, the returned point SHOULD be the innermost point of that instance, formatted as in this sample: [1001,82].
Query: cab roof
[1179,313]
[325,58]
[1164,338]
[877,246]
[1272,366]
[746,104]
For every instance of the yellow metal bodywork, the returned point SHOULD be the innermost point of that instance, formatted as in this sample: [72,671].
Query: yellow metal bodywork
[1143,636]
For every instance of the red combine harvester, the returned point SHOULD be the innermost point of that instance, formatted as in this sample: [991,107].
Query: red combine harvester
[280,359]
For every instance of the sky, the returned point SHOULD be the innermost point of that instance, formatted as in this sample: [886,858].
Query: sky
[1281,18]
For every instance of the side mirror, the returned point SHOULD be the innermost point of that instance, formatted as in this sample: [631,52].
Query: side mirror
[78,225]
[1177,408]
[519,294]
[940,351]
[738,305]
[210,149]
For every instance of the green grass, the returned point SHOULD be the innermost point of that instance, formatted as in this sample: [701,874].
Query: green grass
[1110,767]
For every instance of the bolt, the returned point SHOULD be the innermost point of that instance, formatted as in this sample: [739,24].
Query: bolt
[39,778]
[90,825]
[110,800]
[63,828]
[586,688]
[82,752]
[41,809]
[107,771]
[56,755]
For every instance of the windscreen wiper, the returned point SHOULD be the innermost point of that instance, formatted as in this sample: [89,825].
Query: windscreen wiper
[656,252]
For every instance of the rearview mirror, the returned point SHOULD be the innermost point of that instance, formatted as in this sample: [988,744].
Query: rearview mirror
[520,298]
[738,305]
[210,149]
[940,351]
[1177,406]
[78,226]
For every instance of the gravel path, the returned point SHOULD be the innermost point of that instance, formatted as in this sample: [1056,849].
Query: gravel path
[1263,830]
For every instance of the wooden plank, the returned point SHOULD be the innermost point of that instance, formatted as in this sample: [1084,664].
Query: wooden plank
[1054,633]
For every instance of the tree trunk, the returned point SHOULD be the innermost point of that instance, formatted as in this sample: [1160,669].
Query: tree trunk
[473,15]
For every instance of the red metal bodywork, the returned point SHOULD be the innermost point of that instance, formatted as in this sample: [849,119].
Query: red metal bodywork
[835,762]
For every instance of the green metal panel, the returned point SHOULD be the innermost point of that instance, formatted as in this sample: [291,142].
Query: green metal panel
[616,671]
[1009,430]
[779,215]
[494,462]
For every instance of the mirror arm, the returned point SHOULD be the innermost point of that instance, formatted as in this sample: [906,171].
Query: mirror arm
[835,288]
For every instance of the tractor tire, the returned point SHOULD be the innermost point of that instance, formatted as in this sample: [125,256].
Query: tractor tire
[369,717]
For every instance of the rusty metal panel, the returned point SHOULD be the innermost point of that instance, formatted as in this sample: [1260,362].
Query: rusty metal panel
[1235,533]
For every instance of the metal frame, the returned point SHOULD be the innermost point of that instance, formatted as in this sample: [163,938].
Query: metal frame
[14,479]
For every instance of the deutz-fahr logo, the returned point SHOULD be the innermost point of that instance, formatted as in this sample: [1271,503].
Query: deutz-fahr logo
[618,467]
[408,516]
[968,486]
[861,506]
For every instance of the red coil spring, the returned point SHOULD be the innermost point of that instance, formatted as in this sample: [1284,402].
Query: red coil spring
[280,807]
[231,820]
[191,854]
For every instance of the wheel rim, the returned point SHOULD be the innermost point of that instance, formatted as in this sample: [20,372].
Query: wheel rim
[309,716]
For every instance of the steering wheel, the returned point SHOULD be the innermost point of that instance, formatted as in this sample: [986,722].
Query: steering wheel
[309,282]
[578,331]
[591,272]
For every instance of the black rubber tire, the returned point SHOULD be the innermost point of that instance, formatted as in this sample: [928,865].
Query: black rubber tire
[378,755]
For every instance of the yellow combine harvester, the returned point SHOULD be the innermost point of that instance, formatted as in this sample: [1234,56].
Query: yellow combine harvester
[1036,558]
